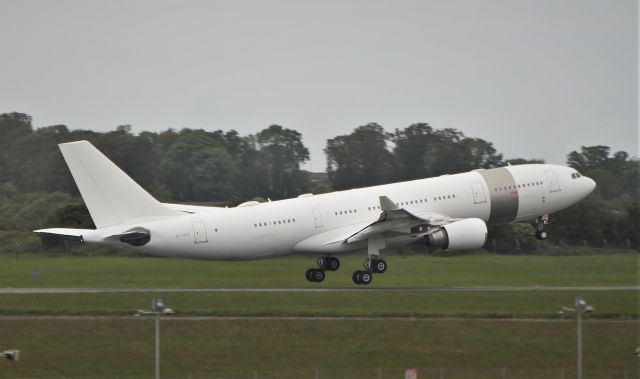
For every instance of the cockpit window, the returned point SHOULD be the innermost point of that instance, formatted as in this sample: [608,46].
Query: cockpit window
[575,175]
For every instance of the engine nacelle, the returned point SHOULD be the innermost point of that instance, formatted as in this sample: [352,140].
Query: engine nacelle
[467,234]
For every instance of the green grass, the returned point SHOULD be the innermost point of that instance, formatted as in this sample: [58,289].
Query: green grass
[537,304]
[339,349]
[408,271]
[464,346]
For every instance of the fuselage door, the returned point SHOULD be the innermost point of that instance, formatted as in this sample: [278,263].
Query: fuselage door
[554,185]
[317,218]
[478,193]
[199,232]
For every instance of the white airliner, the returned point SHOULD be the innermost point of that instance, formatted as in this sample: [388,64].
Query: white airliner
[449,212]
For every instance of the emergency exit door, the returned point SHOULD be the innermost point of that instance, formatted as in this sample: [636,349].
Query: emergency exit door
[554,185]
[317,218]
[478,193]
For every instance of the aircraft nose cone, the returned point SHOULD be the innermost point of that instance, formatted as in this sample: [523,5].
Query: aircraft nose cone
[590,184]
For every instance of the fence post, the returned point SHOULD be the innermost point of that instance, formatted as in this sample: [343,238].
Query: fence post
[628,244]
[442,370]
[317,373]
[561,373]
[495,245]
[379,372]
[504,373]
[255,374]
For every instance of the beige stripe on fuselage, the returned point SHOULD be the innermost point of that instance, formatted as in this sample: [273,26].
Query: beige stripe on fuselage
[504,194]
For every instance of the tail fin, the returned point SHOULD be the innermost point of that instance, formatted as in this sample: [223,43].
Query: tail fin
[111,196]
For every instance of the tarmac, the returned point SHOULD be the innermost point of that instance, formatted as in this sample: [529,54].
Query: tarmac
[18,291]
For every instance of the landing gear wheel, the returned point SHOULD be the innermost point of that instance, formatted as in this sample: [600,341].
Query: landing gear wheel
[366,278]
[541,235]
[315,275]
[362,277]
[318,275]
[309,274]
[331,264]
[357,276]
[379,266]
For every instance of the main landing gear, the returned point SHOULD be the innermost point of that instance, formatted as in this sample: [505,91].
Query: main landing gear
[371,266]
[325,263]
[540,223]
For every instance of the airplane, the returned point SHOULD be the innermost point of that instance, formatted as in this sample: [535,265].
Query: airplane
[450,212]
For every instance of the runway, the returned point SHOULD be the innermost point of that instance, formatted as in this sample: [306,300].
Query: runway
[25,291]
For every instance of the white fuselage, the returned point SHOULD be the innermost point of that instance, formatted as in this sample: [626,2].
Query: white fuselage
[312,223]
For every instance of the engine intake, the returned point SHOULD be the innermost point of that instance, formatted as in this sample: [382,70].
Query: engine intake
[467,234]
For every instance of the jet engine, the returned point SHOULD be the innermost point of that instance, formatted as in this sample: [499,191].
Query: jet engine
[467,234]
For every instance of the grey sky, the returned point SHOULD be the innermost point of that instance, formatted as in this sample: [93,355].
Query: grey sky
[538,78]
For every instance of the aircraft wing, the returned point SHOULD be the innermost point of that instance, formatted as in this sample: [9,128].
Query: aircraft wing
[392,222]
[397,221]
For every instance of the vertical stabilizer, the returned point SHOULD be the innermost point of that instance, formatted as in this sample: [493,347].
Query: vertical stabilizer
[111,196]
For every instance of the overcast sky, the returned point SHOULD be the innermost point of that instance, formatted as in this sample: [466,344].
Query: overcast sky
[538,78]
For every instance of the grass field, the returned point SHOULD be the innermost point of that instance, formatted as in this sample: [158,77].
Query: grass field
[537,304]
[407,271]
[464,347]
[124,348]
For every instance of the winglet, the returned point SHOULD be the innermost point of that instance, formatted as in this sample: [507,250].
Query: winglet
[387,205]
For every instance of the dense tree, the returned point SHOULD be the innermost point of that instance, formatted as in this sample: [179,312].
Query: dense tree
[422,152]
[452,152]
[283,152]
[360,159]
[197,168]
[412,149]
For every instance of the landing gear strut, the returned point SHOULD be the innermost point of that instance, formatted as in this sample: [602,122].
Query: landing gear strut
[540,223]
[373,264]
[325,263]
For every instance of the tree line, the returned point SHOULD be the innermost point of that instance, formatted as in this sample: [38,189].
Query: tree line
[224,167]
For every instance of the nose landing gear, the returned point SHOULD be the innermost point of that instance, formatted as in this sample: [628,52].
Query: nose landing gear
[540,223]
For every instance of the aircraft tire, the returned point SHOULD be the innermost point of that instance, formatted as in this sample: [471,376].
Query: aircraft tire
[366,278]
[332,264]
[355,277]
[318,275]
[541,235]
[309,274]
[379,266]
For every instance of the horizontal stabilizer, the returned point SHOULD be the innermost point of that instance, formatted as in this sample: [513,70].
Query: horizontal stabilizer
[65,232]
